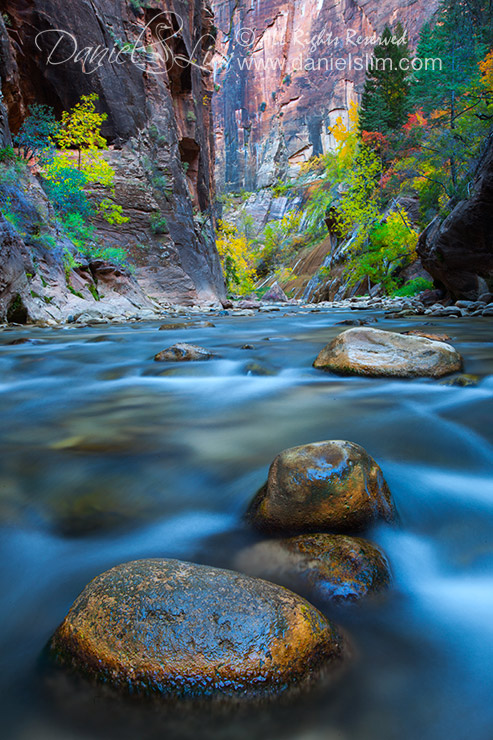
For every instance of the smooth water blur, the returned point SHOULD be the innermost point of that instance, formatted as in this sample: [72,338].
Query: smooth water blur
[107,456]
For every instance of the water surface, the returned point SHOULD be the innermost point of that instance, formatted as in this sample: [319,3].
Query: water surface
[107,456]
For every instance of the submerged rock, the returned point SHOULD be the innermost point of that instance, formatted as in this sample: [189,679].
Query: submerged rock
[182,352]
[383,353]
[427,335]
[330,486]
[254,368]
[173,327]
[323,566]
[463,381]
[183,630]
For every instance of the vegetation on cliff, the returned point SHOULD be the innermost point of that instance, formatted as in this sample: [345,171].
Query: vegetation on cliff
[412,144]
[47,147]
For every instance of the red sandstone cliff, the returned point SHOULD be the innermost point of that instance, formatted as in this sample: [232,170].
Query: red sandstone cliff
[159,121]
[298,75]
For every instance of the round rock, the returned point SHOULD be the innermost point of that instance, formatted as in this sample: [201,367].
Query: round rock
[374,352]
[330,486]
[181,630]
[326,567]
[182,352]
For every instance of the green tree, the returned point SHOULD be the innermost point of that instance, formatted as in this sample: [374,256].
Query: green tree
[36,136]
[385,98]
[447,86]
[359,206]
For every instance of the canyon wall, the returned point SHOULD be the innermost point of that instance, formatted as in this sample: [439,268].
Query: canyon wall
[285,70]
[458,251]
[156,88]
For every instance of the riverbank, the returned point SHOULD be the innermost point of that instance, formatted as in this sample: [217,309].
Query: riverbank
[102,313]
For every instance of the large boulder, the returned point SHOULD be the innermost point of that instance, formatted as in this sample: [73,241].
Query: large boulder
[183,630]
[330,486]
[458,251]
[182,352]
[275,294]
[374,352]
[327,567]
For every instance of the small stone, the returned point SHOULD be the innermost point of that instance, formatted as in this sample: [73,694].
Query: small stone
[253,368]
[172,327]
[463,381]
[248,304]
[427,335]
[183,353]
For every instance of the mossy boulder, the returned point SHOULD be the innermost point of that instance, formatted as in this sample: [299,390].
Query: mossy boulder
[325,567]
[182,630]
[374,352]
[332,486]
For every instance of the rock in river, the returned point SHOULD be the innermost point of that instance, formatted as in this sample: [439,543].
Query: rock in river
[330,486]
[323,566]
[183,630]
[375,352]
[182,352]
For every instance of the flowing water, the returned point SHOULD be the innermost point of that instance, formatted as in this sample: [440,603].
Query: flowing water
[107,456]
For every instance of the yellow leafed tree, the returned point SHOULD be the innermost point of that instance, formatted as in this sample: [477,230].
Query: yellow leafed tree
[81,130]
[235,258]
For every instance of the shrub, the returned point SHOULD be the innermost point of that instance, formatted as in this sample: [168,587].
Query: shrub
[36,136]
[116,255]
[7,155]
[79,231]
[390,245]
[235,258]
[414,287]
[159,224]
[112,213]
[65,189]
[279,238]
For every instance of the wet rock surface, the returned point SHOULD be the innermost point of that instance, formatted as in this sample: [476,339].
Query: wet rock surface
[320,566]
[375,352]
[182,352]
[181,630]
[330,486]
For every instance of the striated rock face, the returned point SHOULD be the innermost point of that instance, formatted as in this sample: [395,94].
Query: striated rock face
[286,71]
[158,126]
[458,252]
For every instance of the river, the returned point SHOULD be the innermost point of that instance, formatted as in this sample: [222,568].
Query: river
[107,456]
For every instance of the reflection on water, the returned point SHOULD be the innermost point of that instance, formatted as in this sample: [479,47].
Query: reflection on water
[106,456]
